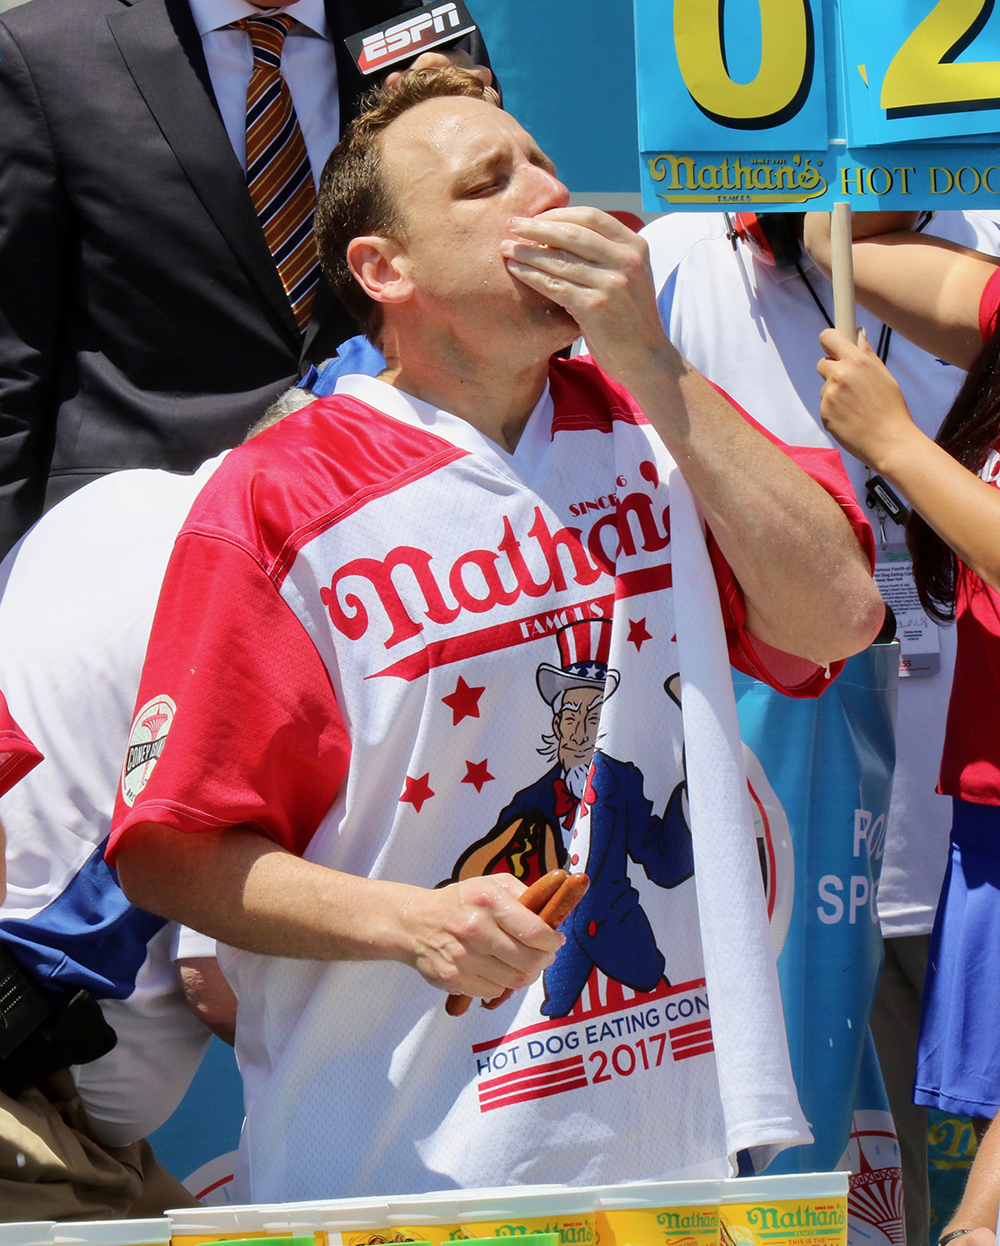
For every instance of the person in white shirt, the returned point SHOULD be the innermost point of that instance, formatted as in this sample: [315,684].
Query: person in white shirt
[77,596]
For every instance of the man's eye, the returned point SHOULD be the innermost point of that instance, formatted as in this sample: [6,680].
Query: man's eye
[484,188]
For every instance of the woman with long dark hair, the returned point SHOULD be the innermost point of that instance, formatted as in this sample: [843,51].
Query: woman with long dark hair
[946,299]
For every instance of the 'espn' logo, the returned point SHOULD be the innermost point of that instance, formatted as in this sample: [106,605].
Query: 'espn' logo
[429,27]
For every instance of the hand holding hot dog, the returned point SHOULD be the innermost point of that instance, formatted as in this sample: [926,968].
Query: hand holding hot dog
[553,898]
[475,938]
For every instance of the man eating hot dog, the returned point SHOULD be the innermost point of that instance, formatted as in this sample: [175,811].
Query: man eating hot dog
[339,694]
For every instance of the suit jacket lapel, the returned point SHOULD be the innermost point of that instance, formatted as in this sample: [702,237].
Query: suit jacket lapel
[162,49]
[349,17]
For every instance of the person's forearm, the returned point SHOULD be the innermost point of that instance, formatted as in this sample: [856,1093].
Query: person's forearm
[981,1201]
[962,509]
[925,287]
[272,902]
[805,578]
[470,937]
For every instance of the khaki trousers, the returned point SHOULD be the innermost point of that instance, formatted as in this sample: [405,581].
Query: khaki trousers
[51,1168]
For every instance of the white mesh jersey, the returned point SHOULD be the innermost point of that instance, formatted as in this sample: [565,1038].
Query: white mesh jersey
[409,655]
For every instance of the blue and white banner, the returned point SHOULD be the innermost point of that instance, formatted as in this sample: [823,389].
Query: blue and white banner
[820,773]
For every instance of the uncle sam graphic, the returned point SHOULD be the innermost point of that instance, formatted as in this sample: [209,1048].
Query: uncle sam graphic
[588,812]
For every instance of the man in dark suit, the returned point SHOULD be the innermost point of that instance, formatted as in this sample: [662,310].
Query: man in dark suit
[143,321]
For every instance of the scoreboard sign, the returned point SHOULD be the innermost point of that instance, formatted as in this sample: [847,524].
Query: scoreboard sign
[795,105]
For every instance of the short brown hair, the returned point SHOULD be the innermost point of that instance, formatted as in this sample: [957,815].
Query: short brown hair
[353,198]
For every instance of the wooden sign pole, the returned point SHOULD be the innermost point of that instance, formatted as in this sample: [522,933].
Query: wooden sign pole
[842,265]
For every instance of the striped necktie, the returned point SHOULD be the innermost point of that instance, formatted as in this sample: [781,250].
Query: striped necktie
[278,174]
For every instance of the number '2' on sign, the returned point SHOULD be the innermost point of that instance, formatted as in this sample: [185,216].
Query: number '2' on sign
[920,71]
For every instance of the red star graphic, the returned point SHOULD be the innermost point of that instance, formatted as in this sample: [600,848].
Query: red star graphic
[463,702]
[637,633]
[417,791]
[477,774]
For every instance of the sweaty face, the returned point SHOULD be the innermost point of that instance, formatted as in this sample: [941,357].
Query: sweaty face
[458,170]
[576,726]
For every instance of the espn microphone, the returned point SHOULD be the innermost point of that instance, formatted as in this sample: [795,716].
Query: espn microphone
[400,38]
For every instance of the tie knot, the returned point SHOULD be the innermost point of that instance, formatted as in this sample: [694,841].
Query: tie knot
[267,36]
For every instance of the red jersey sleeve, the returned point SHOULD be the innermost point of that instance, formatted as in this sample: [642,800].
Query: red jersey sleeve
[795,677]
[236,720]
[17,754]
[989,305]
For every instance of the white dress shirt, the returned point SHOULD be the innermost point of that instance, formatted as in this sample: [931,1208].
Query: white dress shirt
[308,65]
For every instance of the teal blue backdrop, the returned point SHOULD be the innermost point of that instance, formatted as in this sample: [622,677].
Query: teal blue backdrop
[568,74]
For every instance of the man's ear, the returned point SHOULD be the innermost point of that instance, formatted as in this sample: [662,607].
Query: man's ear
[379,266]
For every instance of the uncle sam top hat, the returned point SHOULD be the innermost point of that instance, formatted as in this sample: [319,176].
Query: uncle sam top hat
[583,651]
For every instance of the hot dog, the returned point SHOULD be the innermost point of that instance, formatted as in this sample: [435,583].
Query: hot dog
[565,900]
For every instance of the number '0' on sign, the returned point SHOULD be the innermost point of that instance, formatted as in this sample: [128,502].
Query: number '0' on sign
[784,76]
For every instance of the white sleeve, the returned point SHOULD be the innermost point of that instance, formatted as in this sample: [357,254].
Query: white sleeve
[977,229]
[188,944]
[672,236]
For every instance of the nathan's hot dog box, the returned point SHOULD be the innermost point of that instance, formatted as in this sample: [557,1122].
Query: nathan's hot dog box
[425,1218]
[659,1213]
[793,1209]
[525,1209]
[349,1222]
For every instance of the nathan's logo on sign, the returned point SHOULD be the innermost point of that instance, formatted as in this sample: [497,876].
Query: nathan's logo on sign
[533,564]
[145,744]
[383,46]
[748,179]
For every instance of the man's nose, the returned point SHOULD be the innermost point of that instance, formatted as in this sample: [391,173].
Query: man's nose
[551,193]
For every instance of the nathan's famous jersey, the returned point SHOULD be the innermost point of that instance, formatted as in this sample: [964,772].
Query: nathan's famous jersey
[401,652]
